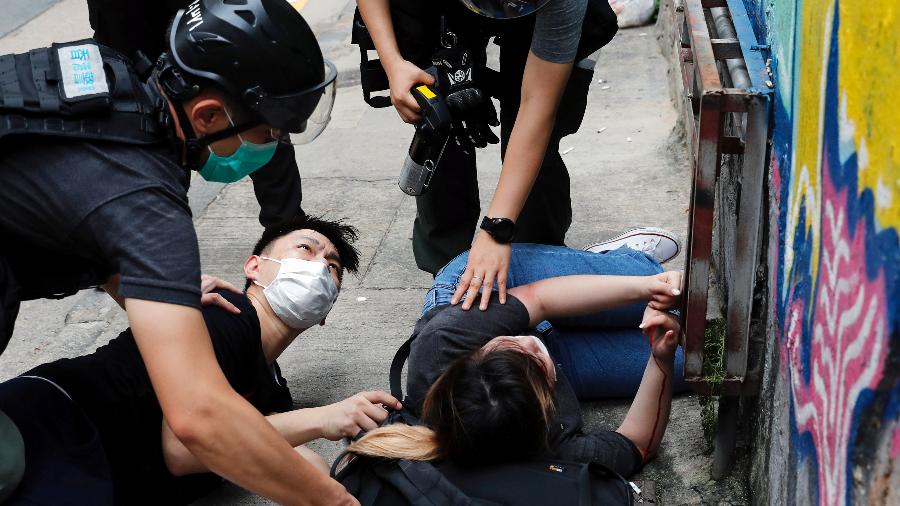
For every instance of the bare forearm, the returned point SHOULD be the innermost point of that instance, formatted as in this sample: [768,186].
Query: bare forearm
[255,456]
[542,87]
[376,15]
[522,163]
[296,427]
[216,425]
[648,415]
[579,295]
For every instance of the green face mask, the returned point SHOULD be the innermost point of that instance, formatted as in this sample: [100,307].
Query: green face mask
[247,159]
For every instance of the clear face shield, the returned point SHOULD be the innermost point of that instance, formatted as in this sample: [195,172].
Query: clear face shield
[298,118]
[320,116]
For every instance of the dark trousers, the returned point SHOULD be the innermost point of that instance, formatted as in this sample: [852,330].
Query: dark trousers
[447,215]
[34,273]
[64,459]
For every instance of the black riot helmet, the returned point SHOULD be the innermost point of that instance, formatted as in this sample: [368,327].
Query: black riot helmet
[504,9]
[260,52]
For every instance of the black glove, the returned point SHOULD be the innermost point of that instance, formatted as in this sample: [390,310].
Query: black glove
[471,109]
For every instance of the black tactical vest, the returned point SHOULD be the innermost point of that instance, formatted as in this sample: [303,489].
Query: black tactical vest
[77,90]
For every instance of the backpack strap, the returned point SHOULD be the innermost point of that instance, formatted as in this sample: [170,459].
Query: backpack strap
[397,367]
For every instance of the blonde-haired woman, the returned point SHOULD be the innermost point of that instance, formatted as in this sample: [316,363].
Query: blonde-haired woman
[489,391]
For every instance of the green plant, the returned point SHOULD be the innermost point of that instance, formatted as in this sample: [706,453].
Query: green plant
[713,375]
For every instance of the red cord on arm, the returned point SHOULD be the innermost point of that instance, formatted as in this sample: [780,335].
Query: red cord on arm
[645,452]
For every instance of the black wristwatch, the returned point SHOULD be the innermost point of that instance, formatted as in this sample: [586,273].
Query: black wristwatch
[503,230]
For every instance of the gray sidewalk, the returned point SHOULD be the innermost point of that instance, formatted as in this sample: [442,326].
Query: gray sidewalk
[626,171]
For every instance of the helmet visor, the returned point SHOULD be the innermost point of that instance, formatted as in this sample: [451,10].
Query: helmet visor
[319,117]
[298,112]
[504,9]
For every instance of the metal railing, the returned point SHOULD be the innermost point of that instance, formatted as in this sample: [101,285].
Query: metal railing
[728,91]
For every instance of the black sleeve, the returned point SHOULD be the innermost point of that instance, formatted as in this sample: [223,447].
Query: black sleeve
[272,394]
[278,189]
[238,347]
[608,448]
[447,333]
[148,237]
[236,341]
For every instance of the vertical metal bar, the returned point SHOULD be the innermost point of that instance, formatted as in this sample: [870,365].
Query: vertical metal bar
[700,232]
[705,168]
[725,437]
[740,297]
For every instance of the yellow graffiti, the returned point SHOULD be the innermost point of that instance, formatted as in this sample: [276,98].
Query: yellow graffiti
[813,42]
[869,83]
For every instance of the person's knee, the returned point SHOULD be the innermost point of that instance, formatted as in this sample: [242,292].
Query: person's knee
[12,457]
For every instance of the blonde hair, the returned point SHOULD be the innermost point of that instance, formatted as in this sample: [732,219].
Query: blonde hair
[398,441]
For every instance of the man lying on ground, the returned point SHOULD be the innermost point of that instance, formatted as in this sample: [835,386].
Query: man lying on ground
[93,428]
[487,387]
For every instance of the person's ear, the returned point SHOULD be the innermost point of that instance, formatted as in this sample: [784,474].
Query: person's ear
[251,268]
[208,115]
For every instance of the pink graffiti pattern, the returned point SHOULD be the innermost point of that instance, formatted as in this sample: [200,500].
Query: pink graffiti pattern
[847,349]
[895,444]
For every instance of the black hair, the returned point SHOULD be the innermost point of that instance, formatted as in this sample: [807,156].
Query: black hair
[490,406]
[487,407]
[339,233]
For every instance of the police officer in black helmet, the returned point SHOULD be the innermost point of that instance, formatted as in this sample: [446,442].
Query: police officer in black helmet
[542,95]
[93,186]
[277,185]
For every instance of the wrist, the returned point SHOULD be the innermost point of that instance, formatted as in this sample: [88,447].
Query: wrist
[319,418]
[501,230]
[390,59]
[663,361]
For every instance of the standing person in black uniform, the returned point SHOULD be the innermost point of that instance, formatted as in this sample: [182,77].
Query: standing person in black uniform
[542,98]
[277,185]
[93,178]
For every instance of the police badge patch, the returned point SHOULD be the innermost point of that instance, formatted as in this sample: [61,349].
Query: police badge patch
[81,69]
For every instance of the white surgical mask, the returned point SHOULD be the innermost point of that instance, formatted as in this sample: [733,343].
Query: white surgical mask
[302,293]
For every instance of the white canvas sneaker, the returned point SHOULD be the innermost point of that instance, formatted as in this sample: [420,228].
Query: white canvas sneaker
[656,242]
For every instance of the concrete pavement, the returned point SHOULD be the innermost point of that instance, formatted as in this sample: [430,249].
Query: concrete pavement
[627,170]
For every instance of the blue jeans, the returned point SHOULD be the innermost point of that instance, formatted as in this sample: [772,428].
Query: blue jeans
[603,354]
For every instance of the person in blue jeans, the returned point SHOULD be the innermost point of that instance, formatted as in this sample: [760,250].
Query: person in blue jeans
[604,354]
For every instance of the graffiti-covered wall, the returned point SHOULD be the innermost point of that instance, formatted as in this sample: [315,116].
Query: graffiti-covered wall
[831,398]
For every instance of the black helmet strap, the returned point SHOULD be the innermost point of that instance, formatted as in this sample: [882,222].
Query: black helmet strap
[194,146]
[179,90]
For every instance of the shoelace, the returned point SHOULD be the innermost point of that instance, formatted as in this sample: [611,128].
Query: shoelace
[646,245]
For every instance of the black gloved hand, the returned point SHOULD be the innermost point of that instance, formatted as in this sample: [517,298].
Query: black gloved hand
[471,109]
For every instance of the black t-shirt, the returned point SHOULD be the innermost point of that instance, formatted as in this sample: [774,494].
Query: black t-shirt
[121,208]
[113,389]
[447,333]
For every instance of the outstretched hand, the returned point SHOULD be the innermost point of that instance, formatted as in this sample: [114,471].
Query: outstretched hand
[664,290]
[488,263]
[210,283]
[664,331]
[361,412]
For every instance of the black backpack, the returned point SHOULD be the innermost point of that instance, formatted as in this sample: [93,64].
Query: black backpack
[544,481]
